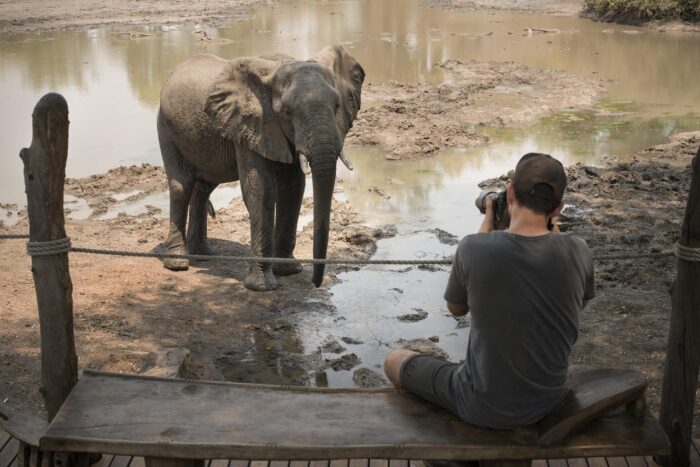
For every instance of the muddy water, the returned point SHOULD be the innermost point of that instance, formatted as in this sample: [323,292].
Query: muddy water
[112,82]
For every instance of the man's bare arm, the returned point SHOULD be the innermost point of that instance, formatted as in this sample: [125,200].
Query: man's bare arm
[457,310]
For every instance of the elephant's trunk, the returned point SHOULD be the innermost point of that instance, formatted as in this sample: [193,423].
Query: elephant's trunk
[323,177]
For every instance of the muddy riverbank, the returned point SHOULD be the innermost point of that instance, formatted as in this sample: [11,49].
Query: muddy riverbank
[416,120]
[18,16]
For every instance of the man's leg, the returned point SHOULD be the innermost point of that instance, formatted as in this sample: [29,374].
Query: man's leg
[393,363]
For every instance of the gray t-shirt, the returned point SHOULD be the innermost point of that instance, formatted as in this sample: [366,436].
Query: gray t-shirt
[524,295]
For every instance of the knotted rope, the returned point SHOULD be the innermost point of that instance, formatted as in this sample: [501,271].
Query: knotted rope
[52,247]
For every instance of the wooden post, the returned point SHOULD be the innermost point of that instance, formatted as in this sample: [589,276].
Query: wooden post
[44,177]
[683,350]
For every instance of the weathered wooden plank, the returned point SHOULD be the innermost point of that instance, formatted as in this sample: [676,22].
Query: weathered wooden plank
[556,463]
[104,461]
[224,463]
[577,462]
[339,463]
[379,463]
[259,463]
[279,464]
[539,463]
[137,462]
[683,349]
[9,452]
[694,456]
[636,461]
[4,439]
[212,420]
[358,463]
[615,461]
[299,464]
[398,463]
[593,393]
[120,461]
[44,177]
[596,462]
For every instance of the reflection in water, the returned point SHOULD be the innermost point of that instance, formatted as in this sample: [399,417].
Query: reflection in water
[112,83]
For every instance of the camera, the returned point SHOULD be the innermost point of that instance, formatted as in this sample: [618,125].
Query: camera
[501,218]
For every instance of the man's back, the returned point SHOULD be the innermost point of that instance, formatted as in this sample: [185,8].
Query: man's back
[524,295]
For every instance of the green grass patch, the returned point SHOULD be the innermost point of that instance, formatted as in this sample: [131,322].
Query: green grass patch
[635,11]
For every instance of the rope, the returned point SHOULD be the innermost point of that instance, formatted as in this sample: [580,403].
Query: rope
[52,247]
[63,245]
[687,253]
[445,261]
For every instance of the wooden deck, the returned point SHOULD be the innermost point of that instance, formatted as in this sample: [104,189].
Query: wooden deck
[8,458]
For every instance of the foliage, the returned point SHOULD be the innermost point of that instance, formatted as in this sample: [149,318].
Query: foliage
[644,10]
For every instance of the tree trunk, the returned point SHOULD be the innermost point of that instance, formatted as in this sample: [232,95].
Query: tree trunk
[683,350]
[44,177]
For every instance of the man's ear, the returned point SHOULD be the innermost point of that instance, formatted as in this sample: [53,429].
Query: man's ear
[557,210]
[510,194]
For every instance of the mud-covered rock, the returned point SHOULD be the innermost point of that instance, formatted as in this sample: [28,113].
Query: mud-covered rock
[366,378]
[425,346]
[345,363]
[417,315]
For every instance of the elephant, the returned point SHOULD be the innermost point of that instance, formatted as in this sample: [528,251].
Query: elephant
[268,122]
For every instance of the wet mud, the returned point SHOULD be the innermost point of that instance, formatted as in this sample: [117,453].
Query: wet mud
[414,120]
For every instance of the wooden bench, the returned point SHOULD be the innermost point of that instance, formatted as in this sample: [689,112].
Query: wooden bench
[178,422]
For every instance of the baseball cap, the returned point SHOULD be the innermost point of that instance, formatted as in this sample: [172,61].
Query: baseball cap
[540,176]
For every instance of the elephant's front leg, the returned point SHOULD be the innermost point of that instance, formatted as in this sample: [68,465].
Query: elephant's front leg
[257,182]
[197,243]
[289,195]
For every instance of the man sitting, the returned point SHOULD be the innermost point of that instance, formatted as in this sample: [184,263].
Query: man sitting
[524,287]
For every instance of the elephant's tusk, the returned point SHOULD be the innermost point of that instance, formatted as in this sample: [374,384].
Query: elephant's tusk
[345,160]
[304,162]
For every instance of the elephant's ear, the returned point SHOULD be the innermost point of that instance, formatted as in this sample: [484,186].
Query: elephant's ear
[348,75]
[239,105]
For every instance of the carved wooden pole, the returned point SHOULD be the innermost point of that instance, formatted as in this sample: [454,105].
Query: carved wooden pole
[44,176]
[683,350]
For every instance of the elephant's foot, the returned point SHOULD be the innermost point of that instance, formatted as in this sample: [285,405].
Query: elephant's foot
[176,264]
[261,279]
[200,247]
[287,269]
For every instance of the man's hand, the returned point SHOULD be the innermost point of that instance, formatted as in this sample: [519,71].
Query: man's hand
[487,225]
[457,310]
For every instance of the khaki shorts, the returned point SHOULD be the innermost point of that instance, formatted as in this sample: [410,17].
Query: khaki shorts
[431,379]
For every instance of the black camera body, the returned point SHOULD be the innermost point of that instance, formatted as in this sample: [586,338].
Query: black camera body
[501,218]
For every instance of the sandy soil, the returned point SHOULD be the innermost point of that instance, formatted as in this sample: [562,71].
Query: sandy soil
[635,206]
[40,15]
[132,315]
[414,120]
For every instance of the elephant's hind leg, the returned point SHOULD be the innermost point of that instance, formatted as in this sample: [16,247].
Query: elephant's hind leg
[290,193]
[197,243]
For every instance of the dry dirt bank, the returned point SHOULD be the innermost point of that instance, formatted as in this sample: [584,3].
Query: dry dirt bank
[132,315]
[636,206]
[550,7]
[41,15]
[413,120]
